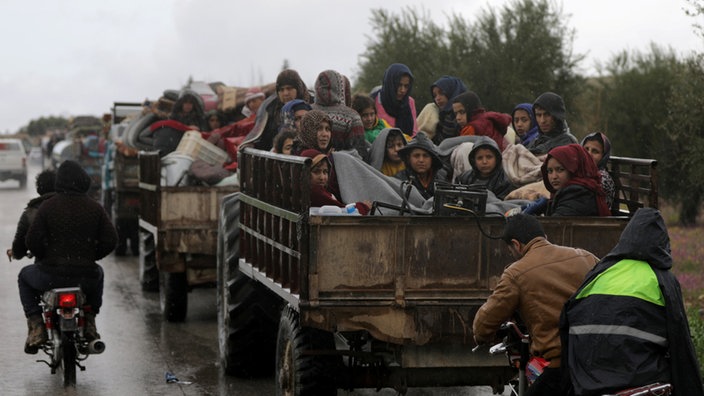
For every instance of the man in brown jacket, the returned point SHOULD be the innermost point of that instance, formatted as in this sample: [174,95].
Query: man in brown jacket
[536,287]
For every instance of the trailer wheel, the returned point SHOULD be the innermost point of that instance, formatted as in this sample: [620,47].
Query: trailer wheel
[173,295]
[148,273]
[248,313]
[298,373]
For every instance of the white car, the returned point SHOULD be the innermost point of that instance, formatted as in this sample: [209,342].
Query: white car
[13,161]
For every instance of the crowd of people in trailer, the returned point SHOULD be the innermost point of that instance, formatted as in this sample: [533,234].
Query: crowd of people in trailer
[385,130]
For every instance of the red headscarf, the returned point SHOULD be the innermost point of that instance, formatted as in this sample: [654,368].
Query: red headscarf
[583,170]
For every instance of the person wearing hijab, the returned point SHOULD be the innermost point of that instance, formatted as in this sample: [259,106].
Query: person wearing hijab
[437,119]
[474,119]
[550,114]
[346,124]
[315,133]
[394,102]
[523,123]
[626,325]
[599,147]
[572,178]
[292,113]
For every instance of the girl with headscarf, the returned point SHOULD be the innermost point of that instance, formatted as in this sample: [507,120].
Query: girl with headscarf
[437,119]
[599,147]
[315,133]
[572,178]
[523,123]
[394,102]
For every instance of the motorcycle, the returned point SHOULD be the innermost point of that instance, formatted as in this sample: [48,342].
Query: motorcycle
[515,345]
[66,346]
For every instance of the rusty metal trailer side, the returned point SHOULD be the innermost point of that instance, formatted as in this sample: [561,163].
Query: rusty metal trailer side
[412,283]
[183,225]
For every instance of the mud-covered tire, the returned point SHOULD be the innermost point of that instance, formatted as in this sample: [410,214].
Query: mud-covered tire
[248,313]
[173,295]
[148,272]
[299,373]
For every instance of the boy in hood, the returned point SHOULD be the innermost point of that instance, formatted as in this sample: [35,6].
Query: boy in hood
[423,165]
[487,170]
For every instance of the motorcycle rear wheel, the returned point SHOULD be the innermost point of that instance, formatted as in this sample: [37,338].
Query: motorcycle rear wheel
[68,349]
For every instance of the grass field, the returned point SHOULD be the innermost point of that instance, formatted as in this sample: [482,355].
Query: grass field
[687,245]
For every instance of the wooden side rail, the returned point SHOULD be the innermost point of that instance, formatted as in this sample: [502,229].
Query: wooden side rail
[636,184]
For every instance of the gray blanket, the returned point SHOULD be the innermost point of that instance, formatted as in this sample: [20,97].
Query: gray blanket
[359,181]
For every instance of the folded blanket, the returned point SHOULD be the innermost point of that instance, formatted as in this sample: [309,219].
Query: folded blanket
[521,166]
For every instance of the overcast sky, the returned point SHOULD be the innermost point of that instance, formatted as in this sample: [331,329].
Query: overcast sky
[75,57]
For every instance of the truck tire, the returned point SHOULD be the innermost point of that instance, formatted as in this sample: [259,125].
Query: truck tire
[248,313]
[173,295]
[298,373]
[148,272]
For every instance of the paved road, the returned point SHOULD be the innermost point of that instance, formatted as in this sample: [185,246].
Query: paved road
[140,346]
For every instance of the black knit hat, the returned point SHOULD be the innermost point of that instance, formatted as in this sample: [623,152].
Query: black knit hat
[553,104]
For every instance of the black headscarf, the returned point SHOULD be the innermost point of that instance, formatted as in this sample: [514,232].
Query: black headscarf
[400,110]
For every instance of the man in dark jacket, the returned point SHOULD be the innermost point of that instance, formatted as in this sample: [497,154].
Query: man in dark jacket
[626,325]
[69,233]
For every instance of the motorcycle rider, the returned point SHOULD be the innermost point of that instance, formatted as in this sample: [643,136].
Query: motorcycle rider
[536,286]
[69,233]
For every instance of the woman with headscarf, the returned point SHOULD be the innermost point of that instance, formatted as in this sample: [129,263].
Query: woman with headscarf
[437,119]
[599,147]
[394,102]
[523,123]
[346,124]
[572,178]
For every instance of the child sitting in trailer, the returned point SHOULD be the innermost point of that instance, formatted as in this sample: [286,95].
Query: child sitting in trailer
[320,194]
[384,155]
[485,160]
